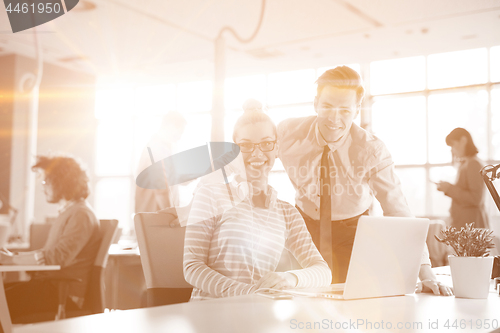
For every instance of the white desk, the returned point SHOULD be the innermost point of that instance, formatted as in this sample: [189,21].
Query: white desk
[124,278]
[254,313]
[4,309]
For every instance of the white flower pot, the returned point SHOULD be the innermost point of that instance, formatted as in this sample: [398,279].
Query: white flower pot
[471,276]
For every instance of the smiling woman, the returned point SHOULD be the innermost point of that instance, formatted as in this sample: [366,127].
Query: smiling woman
[236,248]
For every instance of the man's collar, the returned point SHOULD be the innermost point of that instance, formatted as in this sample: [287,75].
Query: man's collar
[332,145]
[67,205]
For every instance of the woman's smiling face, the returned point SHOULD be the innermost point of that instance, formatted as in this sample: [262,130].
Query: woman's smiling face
[258,163]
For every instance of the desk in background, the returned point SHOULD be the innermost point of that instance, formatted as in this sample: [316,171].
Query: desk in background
[4,309]
[125,283]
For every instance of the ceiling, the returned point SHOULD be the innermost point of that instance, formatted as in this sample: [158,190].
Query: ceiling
[154,41]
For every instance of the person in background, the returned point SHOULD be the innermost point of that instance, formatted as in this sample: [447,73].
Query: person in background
[72,243]
[336,167]
[468,193]
[162,145]
[235,239]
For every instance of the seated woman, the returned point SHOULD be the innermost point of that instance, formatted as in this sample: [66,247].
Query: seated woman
[235,239]
[72,243]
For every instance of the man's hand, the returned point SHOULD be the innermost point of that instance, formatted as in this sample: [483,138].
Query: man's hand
[443,186]
[6,257]
[429,283]
[4,250]
[436,287]
[278,280]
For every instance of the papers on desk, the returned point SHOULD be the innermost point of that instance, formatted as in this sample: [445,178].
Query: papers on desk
[332,291]
[274,294]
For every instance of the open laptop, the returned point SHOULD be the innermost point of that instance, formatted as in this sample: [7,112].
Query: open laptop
[385,260]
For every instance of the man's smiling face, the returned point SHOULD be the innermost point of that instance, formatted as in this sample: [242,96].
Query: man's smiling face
[336,109]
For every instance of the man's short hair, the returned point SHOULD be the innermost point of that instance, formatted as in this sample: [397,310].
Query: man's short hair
[67,177]
[342,77]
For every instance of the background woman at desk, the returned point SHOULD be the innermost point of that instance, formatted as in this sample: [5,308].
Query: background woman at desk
[235,239]
[72,243]
[467,194]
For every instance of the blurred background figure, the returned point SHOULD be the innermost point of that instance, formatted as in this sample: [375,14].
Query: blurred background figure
[468,192]
[162,145]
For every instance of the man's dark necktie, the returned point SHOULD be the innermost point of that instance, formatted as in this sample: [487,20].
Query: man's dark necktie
[325,219]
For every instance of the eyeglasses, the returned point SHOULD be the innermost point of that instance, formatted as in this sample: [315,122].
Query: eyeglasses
[265,146]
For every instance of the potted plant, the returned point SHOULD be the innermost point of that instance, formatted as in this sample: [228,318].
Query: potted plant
[471,265]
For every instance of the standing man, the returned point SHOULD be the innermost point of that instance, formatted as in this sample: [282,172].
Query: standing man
[335,167]
[162,144]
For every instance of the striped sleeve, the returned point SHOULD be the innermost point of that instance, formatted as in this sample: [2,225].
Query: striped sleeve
[196,247]
[315,272]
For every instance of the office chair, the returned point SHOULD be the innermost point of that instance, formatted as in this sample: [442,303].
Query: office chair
[94,297]
[162,250]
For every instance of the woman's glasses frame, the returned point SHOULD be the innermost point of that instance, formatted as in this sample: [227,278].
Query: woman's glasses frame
[264,146]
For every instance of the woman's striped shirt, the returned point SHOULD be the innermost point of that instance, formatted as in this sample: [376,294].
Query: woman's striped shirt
[229,245]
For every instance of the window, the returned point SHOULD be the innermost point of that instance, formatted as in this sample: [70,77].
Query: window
[113,147]
[431,114]
[440,203]
[237,90]
[193,97]
[495,123]
[495,64]
[390,119]
[113,198]
[413,104]
[114,103]
[460,68]
[127,118]
[467,109]
[154,100]
[397,75]
[197,132]
[278,114]
[291,87]
[413,186]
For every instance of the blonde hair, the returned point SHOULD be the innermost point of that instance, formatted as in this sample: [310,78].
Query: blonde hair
[341,77]
[253,114]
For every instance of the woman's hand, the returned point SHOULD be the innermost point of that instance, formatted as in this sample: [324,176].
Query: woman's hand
[443,186]
[278,280]
[436,287]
